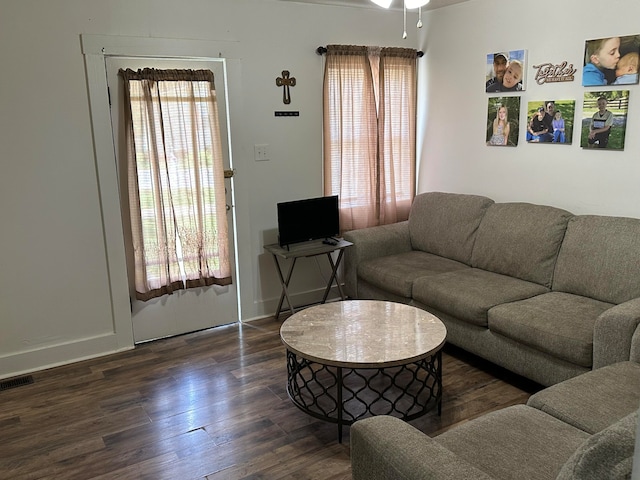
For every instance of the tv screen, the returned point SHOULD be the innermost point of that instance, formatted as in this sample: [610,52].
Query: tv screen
[308,219]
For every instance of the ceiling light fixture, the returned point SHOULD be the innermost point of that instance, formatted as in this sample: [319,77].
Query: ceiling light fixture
[406,4]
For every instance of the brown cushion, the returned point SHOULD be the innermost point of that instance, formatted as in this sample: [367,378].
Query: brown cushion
[607,455]
[520,240]
[594,400]
[469,294]
[445,224]
[560,324]
[515,442]
[396,273]
[600,258]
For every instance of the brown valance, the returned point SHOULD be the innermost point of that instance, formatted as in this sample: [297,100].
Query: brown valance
[156,75]
[355,49]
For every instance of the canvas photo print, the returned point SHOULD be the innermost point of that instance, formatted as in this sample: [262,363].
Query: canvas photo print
[604,119]
[502,121]
[505,71]
[611,61]
[550,121]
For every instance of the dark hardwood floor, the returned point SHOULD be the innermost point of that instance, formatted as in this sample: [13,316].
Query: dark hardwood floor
[210,404]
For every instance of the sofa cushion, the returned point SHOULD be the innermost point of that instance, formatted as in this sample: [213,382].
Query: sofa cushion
[607,455]
[600,258]
[594,400]
[556,323]
[515,443]
[520,240]
[445,224]
[469,294]
[396,273]
[385,447]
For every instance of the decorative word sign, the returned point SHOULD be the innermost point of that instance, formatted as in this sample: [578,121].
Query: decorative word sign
[286,82]
[548,72]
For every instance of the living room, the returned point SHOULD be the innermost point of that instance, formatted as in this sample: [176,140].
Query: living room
[48,323]
[59,220]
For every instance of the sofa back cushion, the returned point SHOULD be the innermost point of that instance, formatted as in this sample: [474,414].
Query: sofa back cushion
[600,258]
[607,454]
[520,240]
[445,224]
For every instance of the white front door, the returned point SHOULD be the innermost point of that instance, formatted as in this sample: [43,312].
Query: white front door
[185,310]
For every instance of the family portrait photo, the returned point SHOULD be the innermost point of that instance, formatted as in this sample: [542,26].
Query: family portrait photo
[550,121]
[604,119]
[506,71]
[502,121]
[611,61]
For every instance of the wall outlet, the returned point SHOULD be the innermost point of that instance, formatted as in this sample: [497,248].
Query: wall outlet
[260,152]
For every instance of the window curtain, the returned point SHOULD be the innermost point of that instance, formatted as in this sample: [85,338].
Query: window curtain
[176,185]
[370,133]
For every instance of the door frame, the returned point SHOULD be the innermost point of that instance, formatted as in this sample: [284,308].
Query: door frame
[95,49]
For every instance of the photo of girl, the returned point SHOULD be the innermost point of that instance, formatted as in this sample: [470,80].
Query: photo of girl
[558,128]
[502,121]
[611,60]
[500,127]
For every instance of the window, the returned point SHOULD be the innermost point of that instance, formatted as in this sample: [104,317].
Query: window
[176,185]
[369,133]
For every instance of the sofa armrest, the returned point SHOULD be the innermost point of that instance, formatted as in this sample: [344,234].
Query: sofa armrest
[635,348]
[370,243]
[385,447]
[614,332]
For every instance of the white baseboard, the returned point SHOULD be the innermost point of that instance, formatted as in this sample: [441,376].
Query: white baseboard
[268,307]
[25,362]
[21,363]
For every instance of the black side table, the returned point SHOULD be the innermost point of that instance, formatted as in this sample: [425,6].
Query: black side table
[306,250]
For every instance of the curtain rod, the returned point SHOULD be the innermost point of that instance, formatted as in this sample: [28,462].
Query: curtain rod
[323,50]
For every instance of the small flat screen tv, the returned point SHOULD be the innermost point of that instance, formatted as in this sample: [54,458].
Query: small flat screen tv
[308,219]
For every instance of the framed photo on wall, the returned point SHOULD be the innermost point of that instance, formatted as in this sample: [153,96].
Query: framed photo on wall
[502,121]
[611,61]
[550,121]
[506,71]
[604,119]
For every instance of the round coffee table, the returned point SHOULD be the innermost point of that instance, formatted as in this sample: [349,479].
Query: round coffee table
[357,358]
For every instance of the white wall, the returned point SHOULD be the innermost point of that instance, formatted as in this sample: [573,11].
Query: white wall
[454,156]
[56,304]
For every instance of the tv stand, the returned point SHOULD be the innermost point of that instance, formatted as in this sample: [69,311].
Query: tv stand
[306,250]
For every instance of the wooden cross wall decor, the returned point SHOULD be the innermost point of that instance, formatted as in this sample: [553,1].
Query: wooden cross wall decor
[285,81]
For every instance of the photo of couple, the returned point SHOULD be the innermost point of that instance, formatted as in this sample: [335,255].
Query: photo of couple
[506,72]
[611,61]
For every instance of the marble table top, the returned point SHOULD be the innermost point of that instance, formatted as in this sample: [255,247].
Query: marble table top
[363,334]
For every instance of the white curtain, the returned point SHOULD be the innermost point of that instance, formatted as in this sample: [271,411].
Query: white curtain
[176,181]
[370,133]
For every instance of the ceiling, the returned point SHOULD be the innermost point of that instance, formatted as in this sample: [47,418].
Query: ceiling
[396,4]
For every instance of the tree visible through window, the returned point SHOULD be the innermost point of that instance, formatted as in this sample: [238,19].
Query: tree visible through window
[176,185]
[370,133]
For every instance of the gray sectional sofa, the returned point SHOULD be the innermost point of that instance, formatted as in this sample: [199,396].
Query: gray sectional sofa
[584,428]
[535,289]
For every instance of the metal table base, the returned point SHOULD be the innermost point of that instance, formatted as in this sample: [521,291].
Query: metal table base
[343,395]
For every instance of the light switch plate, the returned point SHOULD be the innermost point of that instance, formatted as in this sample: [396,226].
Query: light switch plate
[260,152]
